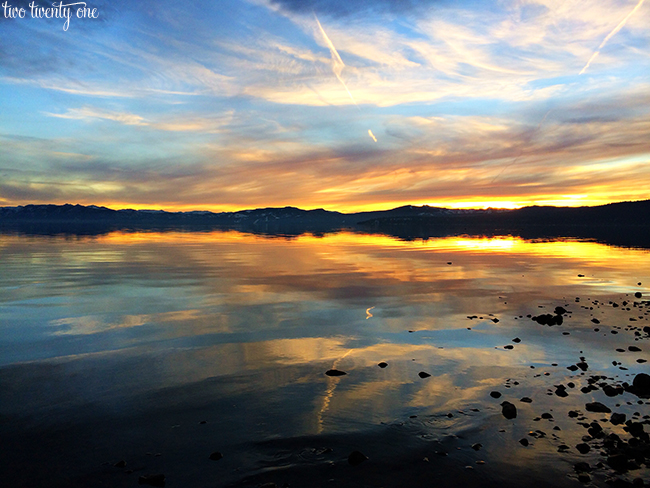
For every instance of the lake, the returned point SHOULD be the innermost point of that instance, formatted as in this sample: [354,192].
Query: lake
[132,354]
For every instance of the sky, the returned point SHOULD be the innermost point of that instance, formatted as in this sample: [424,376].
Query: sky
[346,105]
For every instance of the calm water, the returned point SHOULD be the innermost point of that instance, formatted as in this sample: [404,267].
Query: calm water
[117,347]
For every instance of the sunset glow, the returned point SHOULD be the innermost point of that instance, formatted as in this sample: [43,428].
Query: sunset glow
[347,106]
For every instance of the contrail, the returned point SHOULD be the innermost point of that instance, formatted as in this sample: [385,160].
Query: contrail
[337,62]
[610,35]
[337,67]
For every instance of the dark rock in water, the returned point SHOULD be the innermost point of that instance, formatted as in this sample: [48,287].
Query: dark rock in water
[641,385]
[573,414]
[618,462]
[638,294]
[269,485]
[582,467]
[634,428]
[356,458]
[477,446]
[583,448]
[573,367]
[559,311]
[561,392]
[548,319]
[495,320]
[382,364]
[216,455]
[526,400]
[517,340]
[120,464]
[152,480]
[495,394]
[634,349]
[582,365]
[509,346]
[547,416]
[508,410]
[612,391]
[584,478]
[523,442]
[595,321]
[617,418]
[423,374]
[597,407]
[334,372]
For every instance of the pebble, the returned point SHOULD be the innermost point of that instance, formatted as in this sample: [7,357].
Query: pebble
[356,458]
[334,372]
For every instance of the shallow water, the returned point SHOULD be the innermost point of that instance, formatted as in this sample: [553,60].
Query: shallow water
[117,347]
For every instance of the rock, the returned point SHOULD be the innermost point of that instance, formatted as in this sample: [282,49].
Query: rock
[526,400]
[516,339]
[382,364]
[423,374]
[595,321]
[612,391]
[356,458]
[582,365]
[582,467]
[583,448]
[640,385]
[573,414]
[495,394]
[559,311]
[509,346]
[561,392]
[618,462]
[477,446]
[634,349]
[152,480]
[548,319]
[617,418]
[638,294]
[508,410]
[269,485]
[216,455]
[334,372]
[547,416]
[597,407]
[523,442]
[120,464]
[584,478]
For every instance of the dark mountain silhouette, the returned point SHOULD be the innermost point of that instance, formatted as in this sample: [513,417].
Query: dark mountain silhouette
[624,223]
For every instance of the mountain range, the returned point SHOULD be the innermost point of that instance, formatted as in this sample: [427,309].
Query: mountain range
[621,219]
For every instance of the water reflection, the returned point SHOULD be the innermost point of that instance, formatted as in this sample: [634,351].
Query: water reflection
[177,326]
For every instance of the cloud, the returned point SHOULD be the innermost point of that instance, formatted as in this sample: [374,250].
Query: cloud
[344,8]
[183,123]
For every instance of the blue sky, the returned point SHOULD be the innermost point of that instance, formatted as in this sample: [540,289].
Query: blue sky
[238,104]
